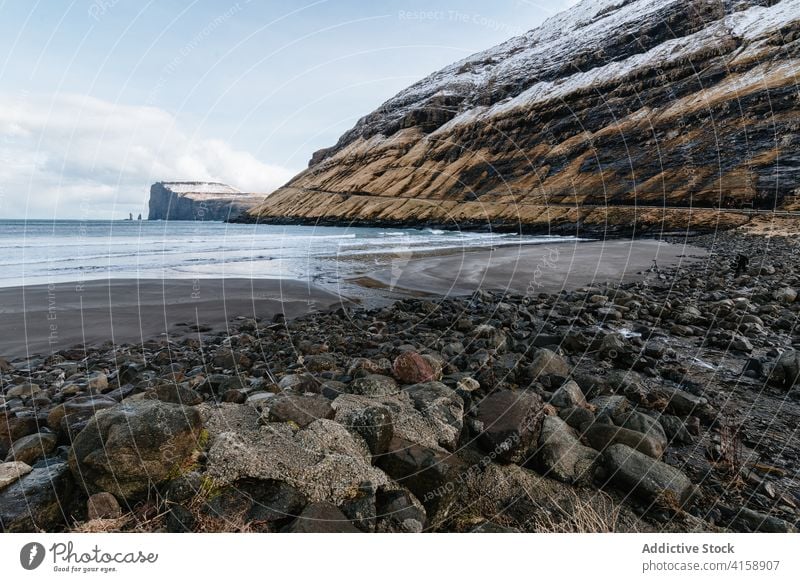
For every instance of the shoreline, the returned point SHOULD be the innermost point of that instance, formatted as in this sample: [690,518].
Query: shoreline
[531,269]
[44,319]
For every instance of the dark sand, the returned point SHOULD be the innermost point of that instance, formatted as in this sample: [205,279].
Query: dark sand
[41,319]
[532,269]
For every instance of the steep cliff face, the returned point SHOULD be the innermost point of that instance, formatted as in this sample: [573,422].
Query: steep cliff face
[198,201]
[657,103]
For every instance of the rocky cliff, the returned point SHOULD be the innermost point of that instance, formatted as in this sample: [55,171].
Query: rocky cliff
[198,201]
[609,107]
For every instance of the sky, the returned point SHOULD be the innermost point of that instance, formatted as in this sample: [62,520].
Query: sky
[101,98]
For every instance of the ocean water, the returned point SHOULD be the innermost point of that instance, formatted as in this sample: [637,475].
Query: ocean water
[47,251]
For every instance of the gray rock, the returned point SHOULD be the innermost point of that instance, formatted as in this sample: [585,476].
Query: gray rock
[322,518]
[259,504]
[370,421]
[373,385]
[635,473]
[31,448]
[24,390]
[560,454]
[97,382]
[547,362]
[323,460]
[601,436]
[103,506]
[38,501]
[430,474]
[441,406]
[128,448]
[511,424]
[176,394]
[71,417]
[302,409]
[299,383]
[675,429]
[754,521]
[568,395]
[10,472]
[578,418]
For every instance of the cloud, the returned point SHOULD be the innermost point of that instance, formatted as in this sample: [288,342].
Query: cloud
[73,156]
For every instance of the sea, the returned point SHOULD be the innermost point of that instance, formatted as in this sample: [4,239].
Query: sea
[53,251]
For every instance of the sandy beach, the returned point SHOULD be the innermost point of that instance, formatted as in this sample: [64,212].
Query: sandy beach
[42,319]
[531,269]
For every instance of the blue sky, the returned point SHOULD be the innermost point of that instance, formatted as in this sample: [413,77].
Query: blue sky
[100,98]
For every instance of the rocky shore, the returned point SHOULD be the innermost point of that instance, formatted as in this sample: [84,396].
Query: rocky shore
[664,404]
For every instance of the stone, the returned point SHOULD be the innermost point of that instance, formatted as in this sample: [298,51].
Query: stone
[370,421]
[675,429]
[511,423]
[787,368]
[412,368]
[741,344]
[97,382]
[259,504]
[430,474]
[323,461]
[31,448]
[130,447]
[38,501]
[176,394]
[753,521]
[440,405]
[373,385]
[577,418]
[640,422]
[568,395]
[785,295]
[547,362]
[299,409]
[635,473]
[24,390]
[560,454]
[102,506]
[180,520]
[71,417]
[16,427]
[600,436]
[12,471]
[398,511]
[321,518]
[299,383]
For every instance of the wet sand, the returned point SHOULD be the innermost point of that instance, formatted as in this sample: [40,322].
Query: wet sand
[531,269]
[41,319]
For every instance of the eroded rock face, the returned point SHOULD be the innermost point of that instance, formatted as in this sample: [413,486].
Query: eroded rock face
[570,113]
[125,449]
[198,201]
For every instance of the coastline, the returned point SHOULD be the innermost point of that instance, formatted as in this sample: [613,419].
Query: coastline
[43,319]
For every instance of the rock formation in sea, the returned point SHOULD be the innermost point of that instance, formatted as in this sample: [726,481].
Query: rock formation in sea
[612,112]
[198,201]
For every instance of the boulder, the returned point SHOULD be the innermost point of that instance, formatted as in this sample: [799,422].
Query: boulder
[373,385]
[432,475]
[321,518]
[323,461]
[675,429]
[370,421]
[441,406]
[412,368]
[302,409]
[31,448]
[600,436]
[102,506]
[568,395]
[511,423]
[97,382]
[175,393]
[256,504]
[128,448]
[13,428]
[398,511]
[10,472]
[560,454]
[24,390]
[547,362]
[39,501]
[71,417]
[635,473]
